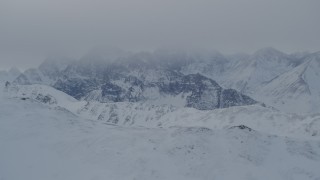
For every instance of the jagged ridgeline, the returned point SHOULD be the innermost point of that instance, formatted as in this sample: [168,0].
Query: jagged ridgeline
[288,82]
[119,77]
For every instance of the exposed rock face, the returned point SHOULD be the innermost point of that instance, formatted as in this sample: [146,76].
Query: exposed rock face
[134,78]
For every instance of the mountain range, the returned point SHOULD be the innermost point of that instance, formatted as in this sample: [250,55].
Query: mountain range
[162,115]
[203,80]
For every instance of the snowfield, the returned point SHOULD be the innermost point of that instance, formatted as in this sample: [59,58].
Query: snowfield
[45,134]
[150,115]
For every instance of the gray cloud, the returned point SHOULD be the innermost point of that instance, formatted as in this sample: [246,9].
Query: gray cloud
[30,30]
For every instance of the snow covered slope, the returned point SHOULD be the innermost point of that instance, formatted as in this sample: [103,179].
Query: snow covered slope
[146,114]
[43,94]
[297,90]
[47,73]
[243,72]
[40,141]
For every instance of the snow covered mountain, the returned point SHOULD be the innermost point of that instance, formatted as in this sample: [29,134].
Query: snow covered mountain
[142,114]
[163,115]
[41,139]
[262,66]
[94,78]
[192,79]
[47,73]
[297,90]
[245,72]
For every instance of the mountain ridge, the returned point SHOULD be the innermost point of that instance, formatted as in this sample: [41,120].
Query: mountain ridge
[135,76]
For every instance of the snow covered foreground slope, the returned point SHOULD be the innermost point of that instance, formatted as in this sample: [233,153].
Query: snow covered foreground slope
[43,141]
[146,114]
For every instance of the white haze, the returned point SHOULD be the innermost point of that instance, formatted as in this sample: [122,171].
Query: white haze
[30,30]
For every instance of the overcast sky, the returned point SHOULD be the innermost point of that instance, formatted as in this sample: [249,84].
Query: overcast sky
[32,29]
